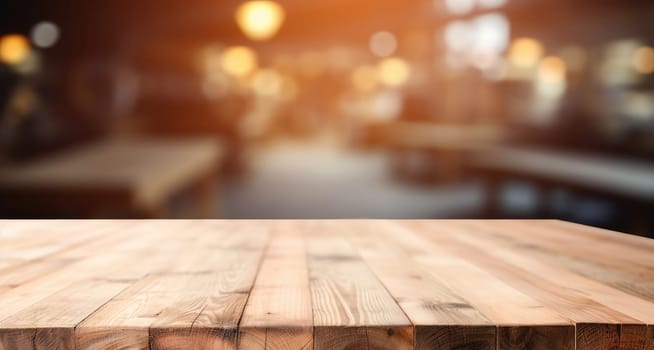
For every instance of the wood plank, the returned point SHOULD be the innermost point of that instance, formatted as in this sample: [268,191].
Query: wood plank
[177,310]
[24,240]
[278,314]
[50,323]
[493,297]
[351,308]
[30,271]
[595,307]
[623,239]
[126,264]
[611,336]
[125,320]
[169,311]
[637,309]
[101,266]
[635,255]
[234,256]
[625,269]
[442,318]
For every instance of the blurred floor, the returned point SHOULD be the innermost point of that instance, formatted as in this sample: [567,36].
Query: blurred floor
[322,179]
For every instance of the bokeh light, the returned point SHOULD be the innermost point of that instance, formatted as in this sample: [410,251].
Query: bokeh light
[239,61]
[457,35]
[617,63]
[491,3]
[383,44]
[491,33]
[394,72]
[552,69]
[551,76]
[525,52]
[479,41]
[45,34]
[459,7]
[32,64]
[267,82]
[260,19]
[14,48]
[386,105]
[643,60]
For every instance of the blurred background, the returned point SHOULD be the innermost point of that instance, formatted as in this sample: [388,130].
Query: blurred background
[329,109]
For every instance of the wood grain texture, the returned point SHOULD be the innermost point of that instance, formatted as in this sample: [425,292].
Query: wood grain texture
[337,284]
[486,292]
[433,307]
[51,321]
[345,292]
[278,314]
[455,337]
[574,297]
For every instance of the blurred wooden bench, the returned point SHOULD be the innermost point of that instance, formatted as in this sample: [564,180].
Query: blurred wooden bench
[123,177]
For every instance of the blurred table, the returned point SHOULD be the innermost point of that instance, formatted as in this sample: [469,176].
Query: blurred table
[442,149]
[133,177]
[352,284]
[432,137]
[629,181]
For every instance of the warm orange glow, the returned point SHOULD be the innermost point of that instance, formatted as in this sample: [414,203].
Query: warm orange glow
[289,89]
[394,72]
[525,52]
[267,82]
[260,19]
[551,81]
[239,61]
[383,44]
[552,69]
[14,48]
[312,64]
[364,78]
[643,60]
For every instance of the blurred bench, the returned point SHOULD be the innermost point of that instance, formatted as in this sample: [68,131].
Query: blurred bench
[121,177]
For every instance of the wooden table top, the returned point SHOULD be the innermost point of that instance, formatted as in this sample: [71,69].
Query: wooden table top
[144,170]
[348,284]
